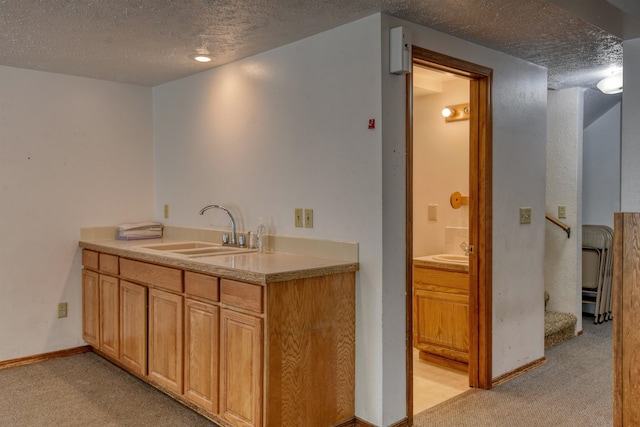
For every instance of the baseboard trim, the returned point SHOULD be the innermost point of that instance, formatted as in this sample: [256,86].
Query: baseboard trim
[401,423]
[22,361]
[357,422]
[517,372]
[362,423]
[349,423]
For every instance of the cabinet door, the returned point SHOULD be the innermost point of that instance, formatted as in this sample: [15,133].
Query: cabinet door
[165,339]
[241,364]
[201,347]
[91,308]
[442,324]
[133,327]
[110,316]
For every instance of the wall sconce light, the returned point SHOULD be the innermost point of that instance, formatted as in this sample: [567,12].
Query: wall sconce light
[611,84]
[453,113]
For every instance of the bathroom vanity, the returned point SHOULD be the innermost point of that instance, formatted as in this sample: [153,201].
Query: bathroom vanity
[441,310]
[245,339]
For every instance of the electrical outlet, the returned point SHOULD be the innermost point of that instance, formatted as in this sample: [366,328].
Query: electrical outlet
[525,215]
[62,310]
[298,217]
[308,218]
[166,211]
[562,211]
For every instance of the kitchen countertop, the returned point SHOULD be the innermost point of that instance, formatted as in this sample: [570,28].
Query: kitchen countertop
[429,262]
[250,267]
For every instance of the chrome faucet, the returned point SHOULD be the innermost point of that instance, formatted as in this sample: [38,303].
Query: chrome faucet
[233,221]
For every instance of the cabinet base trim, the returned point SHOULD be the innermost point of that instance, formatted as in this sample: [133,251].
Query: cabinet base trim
[443,361]
[45,356]
[518,371]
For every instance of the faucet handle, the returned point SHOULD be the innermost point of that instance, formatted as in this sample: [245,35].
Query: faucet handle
[225,239]
[242,240]
[466,248]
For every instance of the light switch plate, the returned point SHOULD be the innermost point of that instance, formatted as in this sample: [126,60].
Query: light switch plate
[298,217]
[166,211]
[525,215]
[432,212]
[308,218]
[562,211]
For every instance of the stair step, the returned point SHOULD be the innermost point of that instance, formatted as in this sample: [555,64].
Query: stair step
[558,327]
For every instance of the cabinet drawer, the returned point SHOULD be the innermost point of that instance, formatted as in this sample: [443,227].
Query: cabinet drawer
[109,263]
[428,278]
[90,259]
[242,295]
[201,285]
[156,275]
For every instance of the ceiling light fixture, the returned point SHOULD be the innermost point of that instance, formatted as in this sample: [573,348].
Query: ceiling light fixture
[611,84]
[201,57]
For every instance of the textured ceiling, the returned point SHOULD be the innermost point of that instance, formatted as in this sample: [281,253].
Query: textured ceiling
[147,42]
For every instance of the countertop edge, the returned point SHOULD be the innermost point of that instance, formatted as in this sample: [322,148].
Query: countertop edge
[335,267]
[462,268]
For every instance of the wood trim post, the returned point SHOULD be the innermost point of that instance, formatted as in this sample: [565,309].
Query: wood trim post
[626,334]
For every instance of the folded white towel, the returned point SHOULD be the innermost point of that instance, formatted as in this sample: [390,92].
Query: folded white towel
[139,230]
[140,226]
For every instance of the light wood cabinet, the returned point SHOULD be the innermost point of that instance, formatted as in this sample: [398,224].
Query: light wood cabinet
[243,354]
[165,339]
[441,316]
[133,327]
[201,348]
[91,308]
[241,364]
[109,315]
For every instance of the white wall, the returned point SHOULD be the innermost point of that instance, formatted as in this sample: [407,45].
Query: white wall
[629,148]
[519,150]
[441,167]
[286,129]
[601,169]
[563,273]
[74,152]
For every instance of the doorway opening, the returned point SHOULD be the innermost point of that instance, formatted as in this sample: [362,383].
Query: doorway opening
[461,339]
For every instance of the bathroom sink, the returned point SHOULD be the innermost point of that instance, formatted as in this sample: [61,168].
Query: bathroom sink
[451,258]
[195,249]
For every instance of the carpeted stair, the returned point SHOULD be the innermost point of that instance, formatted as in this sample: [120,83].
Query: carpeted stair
[558,327]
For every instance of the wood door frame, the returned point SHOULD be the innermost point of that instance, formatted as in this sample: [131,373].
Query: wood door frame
[480,215]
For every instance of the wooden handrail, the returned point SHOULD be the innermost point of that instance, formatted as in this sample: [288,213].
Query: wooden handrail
[562,225]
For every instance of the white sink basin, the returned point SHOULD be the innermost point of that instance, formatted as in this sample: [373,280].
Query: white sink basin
[462,259]
[171,247]
[193,249]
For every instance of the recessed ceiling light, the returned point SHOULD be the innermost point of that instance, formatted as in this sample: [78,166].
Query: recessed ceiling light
[201,57]
[612,83]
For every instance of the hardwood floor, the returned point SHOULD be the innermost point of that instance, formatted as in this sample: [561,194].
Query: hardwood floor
[433,384]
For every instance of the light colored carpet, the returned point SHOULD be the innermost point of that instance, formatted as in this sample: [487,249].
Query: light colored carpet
[574,387]
[86,390]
